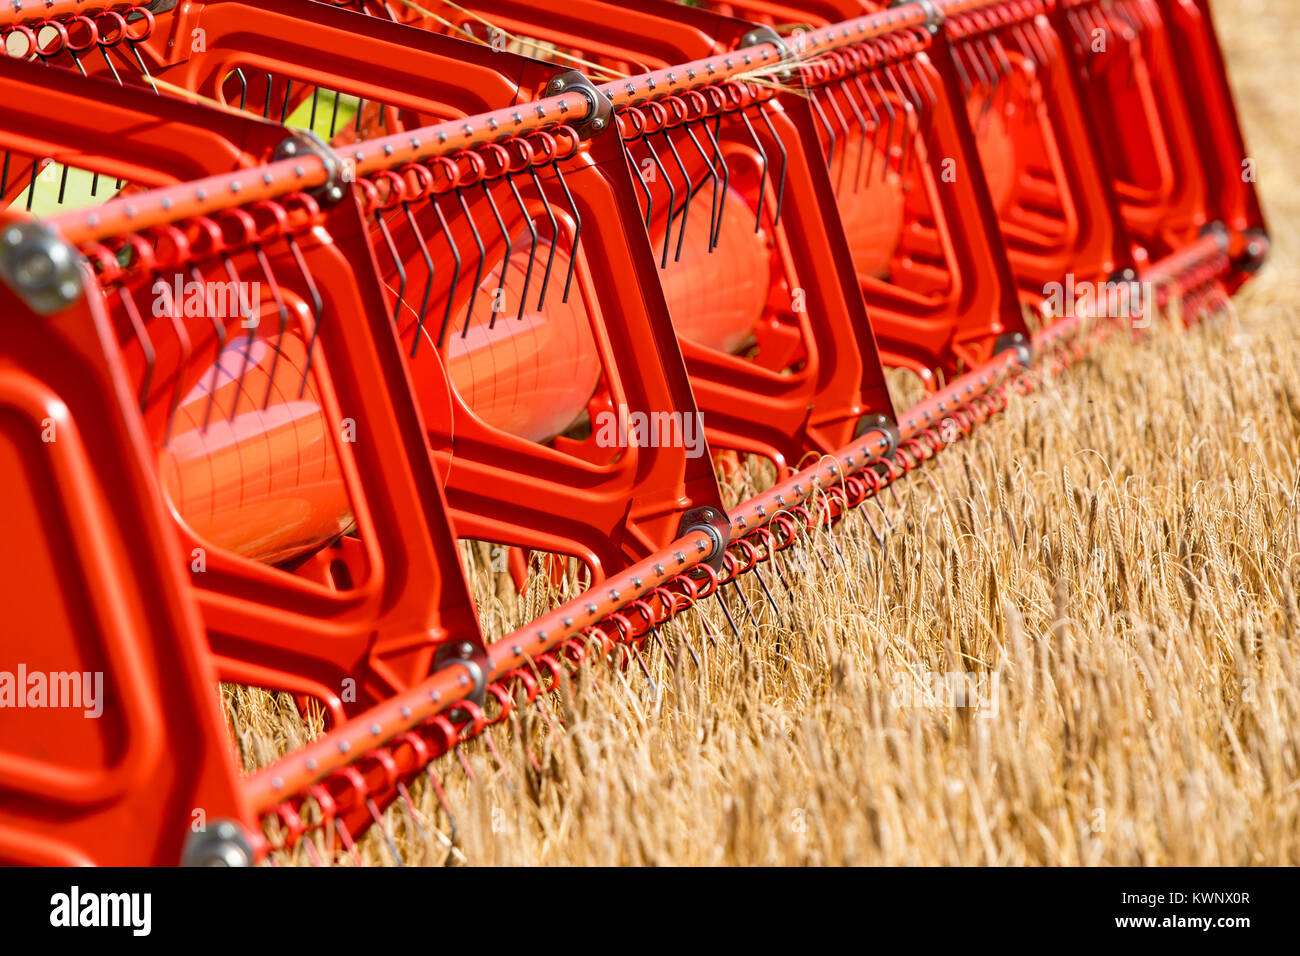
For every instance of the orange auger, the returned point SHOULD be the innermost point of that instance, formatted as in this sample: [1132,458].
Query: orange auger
[298,294]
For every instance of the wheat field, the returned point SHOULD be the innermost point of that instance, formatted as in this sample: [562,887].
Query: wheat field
[1112,569]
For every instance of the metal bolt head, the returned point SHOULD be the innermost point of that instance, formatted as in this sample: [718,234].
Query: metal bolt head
[557,84]
[221,844]
[40,267]
[466,649]
[598,123]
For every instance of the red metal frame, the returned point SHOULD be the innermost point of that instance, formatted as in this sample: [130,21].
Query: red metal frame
[95,573]
[751,406]
[953,298]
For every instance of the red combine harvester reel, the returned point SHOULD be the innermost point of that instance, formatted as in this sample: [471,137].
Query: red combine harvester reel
[882,112]
[378,289]
[781,358]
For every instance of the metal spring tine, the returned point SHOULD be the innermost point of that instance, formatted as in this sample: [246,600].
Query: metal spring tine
[816,553]
[672,200]
[726,612]
[76,61]
[361,104]
[219,328]
[317,309]
[785,162]
[963,77]
[905,132]
[844,129]
[63,183]
[974,51]
[749,611]
[663,647]
[762,175]
[4,173]
[866,516]
[931,100]
[308,845]
[243,84]
[770,600]
[482,260]
[441,794]
[186,351]
[1046,49]
[284,110]
[875,123]
[713,175]
[1025,47]
[862,122]
[980,82]
[397,262]
[315,100]
[334,114]
[428,285]
[780,575]
[577,231]
[505,262]
[31,186]
[235,282]
[721,181]
[465,765]
[995,76]
[924,110]
[835,544]
[889,125]
[346,839]
[141,333]
[910,90]
[961,56]
[144,70]
[455,270]
[283,311]
[636,652]
[103,52]
[1094,21]
[709,630]
[1121,11]
[640,179]
[686,639]
[532,246]
[1121,8]
[1004,64]
[1073,18]
[378,819]
[830,130]
[266,108]
[690,192]
[715,137]
[1104,22]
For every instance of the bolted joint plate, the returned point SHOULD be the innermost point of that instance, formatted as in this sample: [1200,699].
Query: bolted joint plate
[1256,253]
[223,843]
[40,267]
[760,35]
[882,424]
[714,523]
[1220,233]
[600,111]
[304,142]
[1024,348]
[474,661]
